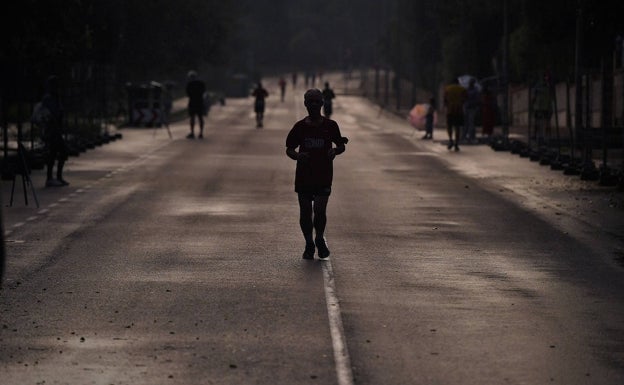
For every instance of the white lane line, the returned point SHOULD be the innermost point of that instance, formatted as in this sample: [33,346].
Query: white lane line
[339,341]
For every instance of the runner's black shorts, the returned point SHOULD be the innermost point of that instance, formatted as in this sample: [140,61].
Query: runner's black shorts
[196,109]
[312,191]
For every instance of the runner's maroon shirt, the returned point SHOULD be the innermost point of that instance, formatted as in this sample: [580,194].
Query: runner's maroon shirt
[316,140]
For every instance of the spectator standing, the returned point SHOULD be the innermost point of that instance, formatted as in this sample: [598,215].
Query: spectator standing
[52,126]
[471,107]
[541,102]
[454,98]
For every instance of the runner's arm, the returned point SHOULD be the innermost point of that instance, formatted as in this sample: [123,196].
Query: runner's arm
[294,155]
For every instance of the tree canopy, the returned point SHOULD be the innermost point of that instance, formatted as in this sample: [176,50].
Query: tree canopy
[424,40]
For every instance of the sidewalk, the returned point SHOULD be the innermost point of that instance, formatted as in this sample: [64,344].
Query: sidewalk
[556,158]
[582,208]
[81,171]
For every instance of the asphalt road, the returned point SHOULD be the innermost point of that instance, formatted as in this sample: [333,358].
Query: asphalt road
[179,262]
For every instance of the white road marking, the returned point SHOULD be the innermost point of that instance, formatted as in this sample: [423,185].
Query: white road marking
[339,341]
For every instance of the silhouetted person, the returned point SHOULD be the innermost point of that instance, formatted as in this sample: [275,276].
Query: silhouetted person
[282,85]
[542,109]
[471,106]
[52,127]
[328,96]
[429,117]
[195,89]
[488,111]
[454,99]
[260,94]
[167,106]
[311,143]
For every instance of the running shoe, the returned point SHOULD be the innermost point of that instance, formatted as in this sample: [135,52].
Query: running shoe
[308,253]
[54,183]
[321,245]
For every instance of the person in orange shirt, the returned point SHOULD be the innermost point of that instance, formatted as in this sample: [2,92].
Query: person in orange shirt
[454,98]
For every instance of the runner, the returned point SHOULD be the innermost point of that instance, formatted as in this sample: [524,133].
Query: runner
[309,142]
[260,94]
[328,96]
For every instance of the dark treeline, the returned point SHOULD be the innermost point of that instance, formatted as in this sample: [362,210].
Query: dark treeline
[424,40]
[126,39]
[431,40]
[285,35]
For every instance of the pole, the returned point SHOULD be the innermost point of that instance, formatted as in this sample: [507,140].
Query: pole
[578,78]
[505,112]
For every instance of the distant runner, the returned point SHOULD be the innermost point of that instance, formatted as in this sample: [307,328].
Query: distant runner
[260,94]
[328,96]
[311,143]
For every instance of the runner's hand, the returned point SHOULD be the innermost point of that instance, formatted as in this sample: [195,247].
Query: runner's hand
[303,157]
[331,153]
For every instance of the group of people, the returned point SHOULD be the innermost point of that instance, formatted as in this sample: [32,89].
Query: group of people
[313,142]
[462,105]
[260,94]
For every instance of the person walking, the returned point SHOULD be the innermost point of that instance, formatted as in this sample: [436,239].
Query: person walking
[328,96]
[260,94]
[52,126]
[471,107]
[314,142]
[429,117]
[454,99]
[195,89]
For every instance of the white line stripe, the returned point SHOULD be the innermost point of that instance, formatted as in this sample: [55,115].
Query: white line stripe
[341,353]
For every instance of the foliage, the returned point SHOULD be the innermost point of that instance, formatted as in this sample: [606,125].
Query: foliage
[140,40]
[469,37]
